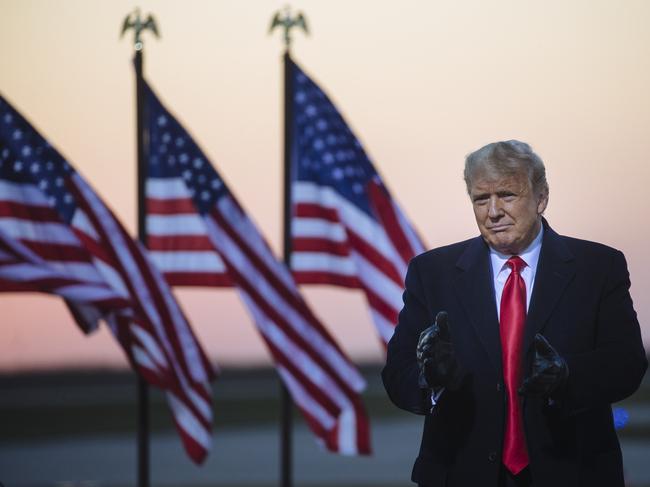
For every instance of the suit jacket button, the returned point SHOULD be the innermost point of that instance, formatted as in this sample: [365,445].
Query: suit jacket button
[499,387]
[492,456]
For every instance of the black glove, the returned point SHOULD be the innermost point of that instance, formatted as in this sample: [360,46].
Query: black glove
[436,358]
[549,372]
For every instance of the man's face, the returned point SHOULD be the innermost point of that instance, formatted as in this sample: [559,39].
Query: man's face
[508,212]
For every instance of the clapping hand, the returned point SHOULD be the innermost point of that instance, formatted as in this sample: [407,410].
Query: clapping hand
[435,356]
[549,371]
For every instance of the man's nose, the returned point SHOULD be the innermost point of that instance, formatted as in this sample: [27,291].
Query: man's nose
[494,208]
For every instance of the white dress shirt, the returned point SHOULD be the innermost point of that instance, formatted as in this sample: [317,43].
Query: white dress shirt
[501,271]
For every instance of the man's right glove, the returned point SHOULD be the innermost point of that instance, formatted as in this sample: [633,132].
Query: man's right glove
[436,357]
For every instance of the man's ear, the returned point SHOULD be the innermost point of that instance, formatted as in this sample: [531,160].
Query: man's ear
[542,201]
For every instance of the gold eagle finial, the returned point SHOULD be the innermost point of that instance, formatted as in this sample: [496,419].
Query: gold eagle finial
[285,19]
[134,21]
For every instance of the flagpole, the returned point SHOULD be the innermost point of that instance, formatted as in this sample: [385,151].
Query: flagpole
[143,388]
[135,22]
[286,460]
[286,20]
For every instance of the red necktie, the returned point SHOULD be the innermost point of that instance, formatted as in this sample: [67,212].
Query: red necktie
[513,319]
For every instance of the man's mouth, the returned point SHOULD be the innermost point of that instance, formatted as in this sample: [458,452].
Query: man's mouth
[499,228]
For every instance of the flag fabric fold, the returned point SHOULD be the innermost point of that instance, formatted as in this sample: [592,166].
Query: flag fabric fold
[199,235]
[57,236]
[346,228]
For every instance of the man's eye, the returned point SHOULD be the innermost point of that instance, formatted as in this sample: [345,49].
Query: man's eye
[480,201]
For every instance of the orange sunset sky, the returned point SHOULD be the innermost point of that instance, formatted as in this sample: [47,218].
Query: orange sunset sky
[422,83]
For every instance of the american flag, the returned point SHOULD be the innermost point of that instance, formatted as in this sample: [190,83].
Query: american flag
[57,236]
[199,235]
[347,230]
[21,269]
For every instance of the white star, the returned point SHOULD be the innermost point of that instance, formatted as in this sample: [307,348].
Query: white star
[198,163]
[180,142]
[205,195]
[183,158]
[18,166]
[311,111]
[337,173]
[331,139]
[68,198]
[201,178]
[301,97]
[17,135]
[59,181]
[328,158]
[319,144]
[49,165]
[301,78]
[27,151]
[8,118]
[357,188]
[321,124]
[52,201]
[349,171]
[35,168]
[162,121]
[5,153]
[216,183]
[43,184]
[171,160]
[162,148]
[187,174]
[166,138]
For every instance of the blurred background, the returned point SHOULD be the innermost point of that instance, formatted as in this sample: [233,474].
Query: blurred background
[422,83]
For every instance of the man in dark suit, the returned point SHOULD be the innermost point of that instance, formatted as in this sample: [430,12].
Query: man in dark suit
[537,337]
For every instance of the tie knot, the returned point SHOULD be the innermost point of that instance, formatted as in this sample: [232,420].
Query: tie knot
[516,263]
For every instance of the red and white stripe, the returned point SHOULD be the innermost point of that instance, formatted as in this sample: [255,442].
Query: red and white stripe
[321,379]
[102,273]
[177,240]
[38,252]
[334,242]
[161,343]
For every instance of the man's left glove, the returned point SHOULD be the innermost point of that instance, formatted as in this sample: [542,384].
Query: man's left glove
[436,357]
[549,373]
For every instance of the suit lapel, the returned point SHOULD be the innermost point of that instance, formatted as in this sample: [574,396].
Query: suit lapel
[475,291]
[555,270]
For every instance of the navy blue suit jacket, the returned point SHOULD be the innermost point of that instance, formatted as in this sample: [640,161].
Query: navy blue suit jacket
[581,304]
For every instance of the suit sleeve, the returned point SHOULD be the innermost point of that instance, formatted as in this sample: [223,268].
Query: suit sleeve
[614,368]
[400,374]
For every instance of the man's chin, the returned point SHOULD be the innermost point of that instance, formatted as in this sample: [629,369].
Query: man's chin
[503,245]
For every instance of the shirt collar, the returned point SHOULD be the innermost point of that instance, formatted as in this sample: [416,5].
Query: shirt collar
[530,255]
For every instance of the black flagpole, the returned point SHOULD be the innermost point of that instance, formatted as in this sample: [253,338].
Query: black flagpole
[287,21]
[134,21]
[143,388]
[286,407]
